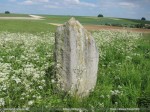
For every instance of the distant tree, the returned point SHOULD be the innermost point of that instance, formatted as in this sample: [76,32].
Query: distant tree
[143,18]
[100,15]
[7,12]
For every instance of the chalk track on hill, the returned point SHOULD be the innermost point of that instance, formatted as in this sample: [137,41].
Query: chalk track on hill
[32,17]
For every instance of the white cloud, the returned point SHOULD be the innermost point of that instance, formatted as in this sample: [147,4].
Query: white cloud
[72,1]
[127,4]
[121,4]
[27,2]
[40,0]
[87,4]
[51,6]
[58,3]
[79,3]
[33,2]
[107,4]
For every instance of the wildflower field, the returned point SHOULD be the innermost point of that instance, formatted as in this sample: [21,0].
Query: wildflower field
[26,71]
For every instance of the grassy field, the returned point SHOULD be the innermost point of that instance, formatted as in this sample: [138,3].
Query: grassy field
[93,20]
[43,25]
[121,22]
[26,67]
[13,15]
[28,26]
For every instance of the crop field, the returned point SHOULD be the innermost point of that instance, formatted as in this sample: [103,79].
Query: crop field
[45,24]
[13,15]
[25,26]
[26,67]
[93,20]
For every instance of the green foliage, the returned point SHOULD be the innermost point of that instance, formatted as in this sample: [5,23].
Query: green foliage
[7,12]
[143,18]
[140,25]
[100,15]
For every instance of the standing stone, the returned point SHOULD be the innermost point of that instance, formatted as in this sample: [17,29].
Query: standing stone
[76,58]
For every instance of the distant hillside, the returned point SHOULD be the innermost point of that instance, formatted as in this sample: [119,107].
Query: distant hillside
[87,20]
[13,15]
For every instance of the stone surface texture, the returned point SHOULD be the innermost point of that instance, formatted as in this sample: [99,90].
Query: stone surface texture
[76,57]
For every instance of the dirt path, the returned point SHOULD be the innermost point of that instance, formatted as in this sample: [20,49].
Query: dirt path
[113,28]
[55,24]
[32,17]
[37,17]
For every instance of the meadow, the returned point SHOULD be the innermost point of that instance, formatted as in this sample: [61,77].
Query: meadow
[13,15]
[25,26]
[33,26]
[26,68]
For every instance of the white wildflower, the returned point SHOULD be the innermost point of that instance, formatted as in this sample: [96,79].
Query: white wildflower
[120,87]
[53,81]
[30,102]
[101,104]
[40,87]
[102,96]
[2,102]
[16,79]
[22,98]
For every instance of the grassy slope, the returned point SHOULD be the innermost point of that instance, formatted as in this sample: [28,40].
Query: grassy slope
[13,15]
[30,26]
[139,21]
[87,20]
[93,20]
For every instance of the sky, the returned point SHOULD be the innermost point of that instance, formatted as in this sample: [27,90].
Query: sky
[134,9]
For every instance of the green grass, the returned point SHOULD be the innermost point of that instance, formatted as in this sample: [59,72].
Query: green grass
[87,20]
[13,15]
[28,26]
[103,21]
[56,19]
[139,21]
[27,68]
[34,26]
[94,20]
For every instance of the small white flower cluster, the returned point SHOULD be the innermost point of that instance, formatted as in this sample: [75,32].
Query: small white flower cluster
[5,69]
[121,41]
[23,60]
[116,92]
[2,102]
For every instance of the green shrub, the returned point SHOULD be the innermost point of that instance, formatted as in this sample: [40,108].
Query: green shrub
[100,15]
[7,12]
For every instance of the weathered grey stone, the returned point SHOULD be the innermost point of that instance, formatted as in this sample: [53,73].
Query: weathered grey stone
[76,57]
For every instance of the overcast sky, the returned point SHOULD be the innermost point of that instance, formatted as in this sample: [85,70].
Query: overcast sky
[109,8]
